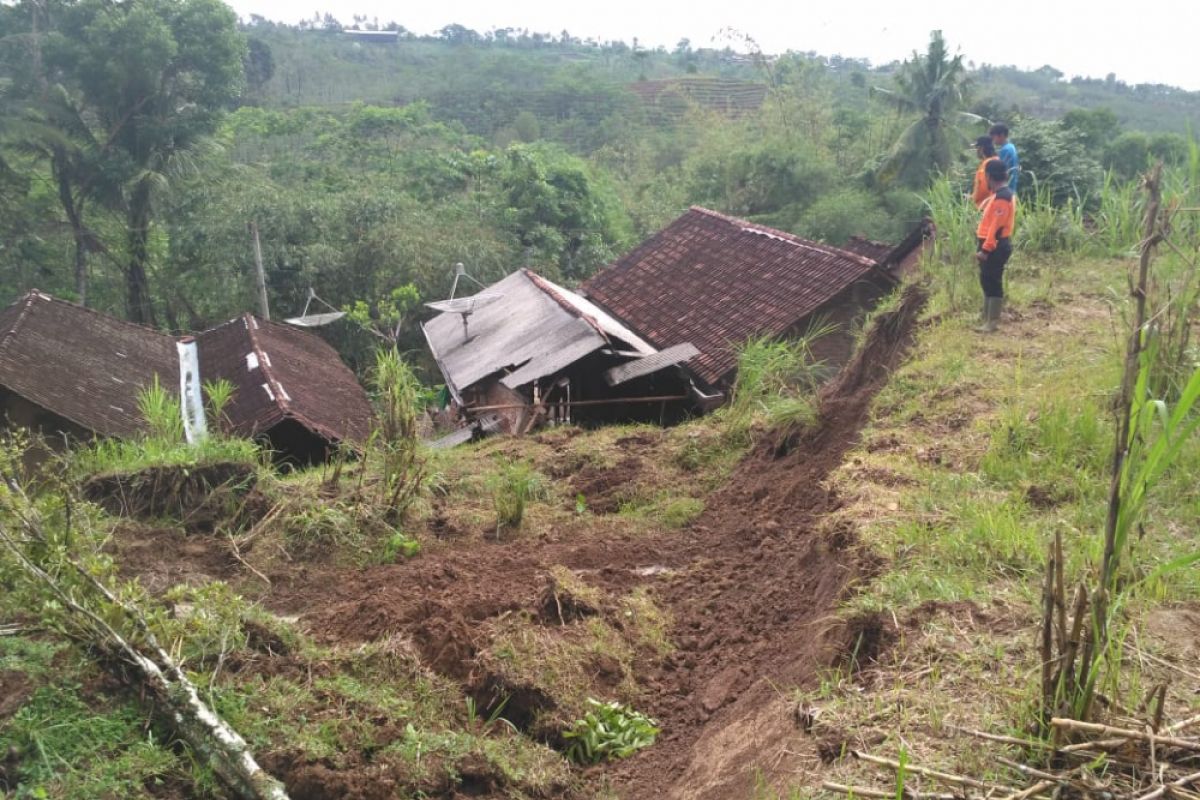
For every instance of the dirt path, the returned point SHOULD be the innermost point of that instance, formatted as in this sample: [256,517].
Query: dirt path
[751,586]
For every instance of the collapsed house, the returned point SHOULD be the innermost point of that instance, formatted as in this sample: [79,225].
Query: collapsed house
[73,373]
[716,281]
[655,335]
[536,352]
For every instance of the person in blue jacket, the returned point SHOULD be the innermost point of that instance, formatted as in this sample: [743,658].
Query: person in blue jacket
[1007,152]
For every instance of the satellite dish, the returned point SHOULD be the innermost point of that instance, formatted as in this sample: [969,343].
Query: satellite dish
[315,320]
[306,320]
[464,306]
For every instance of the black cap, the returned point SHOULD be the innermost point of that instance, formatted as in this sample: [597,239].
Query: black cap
[983,141]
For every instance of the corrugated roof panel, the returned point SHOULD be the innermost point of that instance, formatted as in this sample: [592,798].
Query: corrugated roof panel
[526,325]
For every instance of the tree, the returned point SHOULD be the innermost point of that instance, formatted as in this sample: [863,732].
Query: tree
[157,76]
[562,214]
[1097,127]
[259,65]
[935,87]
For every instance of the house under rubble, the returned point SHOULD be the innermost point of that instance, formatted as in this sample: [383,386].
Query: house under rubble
[539,352]
[655,335]
[74,373]
[715,281]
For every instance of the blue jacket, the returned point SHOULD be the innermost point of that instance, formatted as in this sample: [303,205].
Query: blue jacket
[1008,155]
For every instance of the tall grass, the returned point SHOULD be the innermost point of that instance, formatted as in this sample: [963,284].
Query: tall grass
[776,383]
[1044,227]
[163,444]
[395,442]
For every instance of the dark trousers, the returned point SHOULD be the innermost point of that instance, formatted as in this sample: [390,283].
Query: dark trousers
[991,269]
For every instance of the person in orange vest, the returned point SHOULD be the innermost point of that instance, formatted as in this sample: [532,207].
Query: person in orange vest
[994,238]
[987,153]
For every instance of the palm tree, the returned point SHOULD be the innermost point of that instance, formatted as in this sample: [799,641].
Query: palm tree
[934,86]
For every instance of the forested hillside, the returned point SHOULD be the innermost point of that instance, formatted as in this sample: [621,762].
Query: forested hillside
[372,162]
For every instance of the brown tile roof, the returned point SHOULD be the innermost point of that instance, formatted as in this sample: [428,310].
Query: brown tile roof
[715,281]
[81,364]
[283,373]
[876,251]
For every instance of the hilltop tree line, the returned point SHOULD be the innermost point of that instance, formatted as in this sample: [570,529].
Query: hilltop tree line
[139,140]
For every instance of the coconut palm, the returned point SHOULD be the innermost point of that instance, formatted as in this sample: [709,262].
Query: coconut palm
[935,87]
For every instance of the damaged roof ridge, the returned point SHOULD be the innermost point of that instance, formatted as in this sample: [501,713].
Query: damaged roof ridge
[282,396]
[763,230]
[11,333]
[552,290]
[278,395]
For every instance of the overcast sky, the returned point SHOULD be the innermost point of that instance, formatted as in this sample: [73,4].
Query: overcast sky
[1141,43]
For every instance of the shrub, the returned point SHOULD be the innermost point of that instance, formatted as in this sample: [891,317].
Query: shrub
[513,486]
[395,442]
[609,730]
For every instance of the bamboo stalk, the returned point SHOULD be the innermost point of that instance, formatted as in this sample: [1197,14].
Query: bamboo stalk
[1037,788]
[995,737]
[879,794]
[225,750]
[1125,733]
[1186,780]
[947,777]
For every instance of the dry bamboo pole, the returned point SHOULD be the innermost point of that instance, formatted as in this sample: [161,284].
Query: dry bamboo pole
[995,737]
[1102,744]
[879,794]
[1037,788]
[1186,780]
[222,747]
[1125,733]
[947,777]
[1098,639]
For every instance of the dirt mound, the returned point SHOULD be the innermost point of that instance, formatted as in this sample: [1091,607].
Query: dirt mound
[15,689]
[164,557]
[754,612]
[751,588]
[198,496]
[605,489]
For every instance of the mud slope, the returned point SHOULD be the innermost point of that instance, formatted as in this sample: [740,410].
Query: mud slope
[751,586]
[753,613]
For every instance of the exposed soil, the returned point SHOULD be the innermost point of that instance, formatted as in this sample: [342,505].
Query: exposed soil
[751,586]
[604,489]
[164,557]
[15,689]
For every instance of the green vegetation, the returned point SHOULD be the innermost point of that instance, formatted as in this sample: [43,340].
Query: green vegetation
[775,385]
[609,730]
[513,485]
[371,169]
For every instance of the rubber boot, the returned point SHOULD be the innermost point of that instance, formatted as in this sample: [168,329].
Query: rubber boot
[991,315]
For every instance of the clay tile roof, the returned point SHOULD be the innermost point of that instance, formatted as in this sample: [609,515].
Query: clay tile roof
[82,365]
[283,373]
[876,251]
[715,281]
